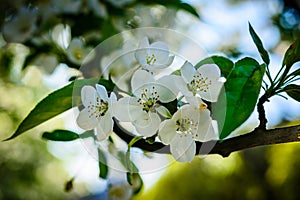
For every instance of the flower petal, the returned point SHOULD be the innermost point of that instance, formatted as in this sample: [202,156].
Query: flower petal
[104,127]
[213,74]
[88,95]
[102,92]
[182,87]
[170,82]
[183,148]
[86,121]
[170,60]
[161,52]
[139,78]
[187,72]
[167,131]
[148,124]
[205,130]
[196,102]
[141,52]
[127,109]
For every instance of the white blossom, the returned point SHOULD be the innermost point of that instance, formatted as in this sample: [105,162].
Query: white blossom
[153,56]
[141,109]
[98,111]
[77,52]
[189,124]
[61,35]
[206,81]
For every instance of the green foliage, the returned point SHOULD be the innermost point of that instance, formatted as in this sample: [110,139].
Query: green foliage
[178,4]
[223,63]
[242,90]
[293,91]
[133,177]
[108,84]
[60,135]
[102,161]
[295,73]
[263,53]
[292,54]
[54,104]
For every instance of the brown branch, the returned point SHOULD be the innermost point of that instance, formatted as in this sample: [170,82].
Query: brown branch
[257,137]
[261,112]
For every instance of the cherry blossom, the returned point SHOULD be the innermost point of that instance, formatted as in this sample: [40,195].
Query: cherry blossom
[98,112]
[153,56]
[189,124]
[141,109]
[206,81]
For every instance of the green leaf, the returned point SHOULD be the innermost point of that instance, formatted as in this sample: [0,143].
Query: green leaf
[108,84]
[127,163]
[292,55]
[226,66]
[262,51]
[242,90]
[60,135]
[295,73]
[136,181]
[293,91]
[102,164]
[54,104]
[188,8]
[178,4]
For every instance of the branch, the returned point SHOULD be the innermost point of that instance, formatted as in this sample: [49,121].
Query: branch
[257,137]
[261,111]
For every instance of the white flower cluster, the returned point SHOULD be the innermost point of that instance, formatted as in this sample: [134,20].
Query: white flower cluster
[146,108]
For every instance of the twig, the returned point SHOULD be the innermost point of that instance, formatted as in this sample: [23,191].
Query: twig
[261,112]
[257,137]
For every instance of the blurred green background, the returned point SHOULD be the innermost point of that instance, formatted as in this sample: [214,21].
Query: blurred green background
[31,168]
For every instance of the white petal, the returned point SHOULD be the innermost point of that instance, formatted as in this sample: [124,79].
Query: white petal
[169,61]
[76,43]
[213,73]
[205,129]
[127,109]
[182,87]
[165,94]
[167,131]
[113,97]
[213,92]
[187,72]
[88,95]
[139,78]
[148,124]
[211,133]
[163,111]
[144,43]
[141,52]
[161,52]
[102,92]
[184,110]
[170,82]
[195,101]
[183,148]
[104,127]
[85,121]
